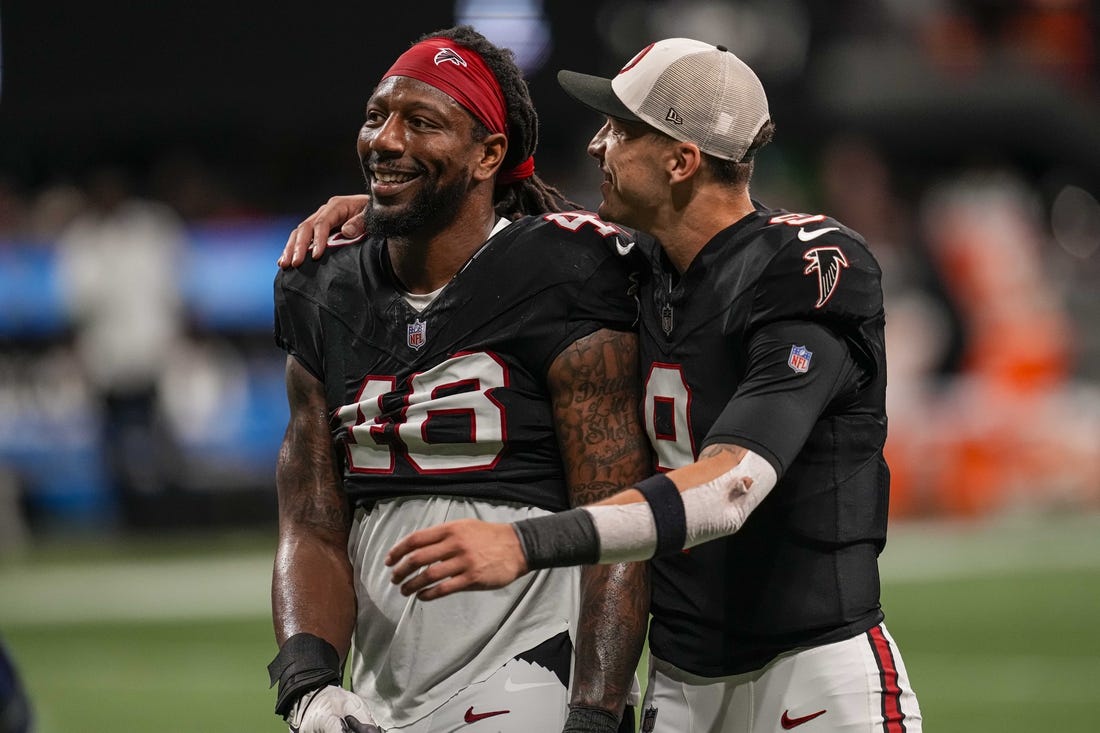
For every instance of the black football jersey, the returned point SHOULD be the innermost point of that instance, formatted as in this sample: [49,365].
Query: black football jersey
[773,340]
[453,400]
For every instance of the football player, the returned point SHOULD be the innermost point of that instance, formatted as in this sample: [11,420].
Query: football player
[473,357]
[765,377]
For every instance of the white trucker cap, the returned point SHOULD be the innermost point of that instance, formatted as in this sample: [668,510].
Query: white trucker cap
[690,90]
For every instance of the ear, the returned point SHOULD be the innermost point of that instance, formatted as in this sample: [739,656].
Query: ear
[493,149]
[684,162]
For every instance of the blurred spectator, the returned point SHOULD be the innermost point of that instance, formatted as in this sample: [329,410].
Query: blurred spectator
[121,265]
[984,413]
[1013,430]
[1053,37]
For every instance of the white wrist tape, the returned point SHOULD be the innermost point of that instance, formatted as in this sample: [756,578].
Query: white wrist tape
[628,532]
[720,506]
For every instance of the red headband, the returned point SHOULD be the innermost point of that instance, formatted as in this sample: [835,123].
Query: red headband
[458,72]
[462,74]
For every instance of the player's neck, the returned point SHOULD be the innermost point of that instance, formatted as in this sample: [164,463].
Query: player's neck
[685,229]
[426,261]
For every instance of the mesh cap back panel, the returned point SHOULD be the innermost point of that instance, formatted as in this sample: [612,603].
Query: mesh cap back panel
[710,101]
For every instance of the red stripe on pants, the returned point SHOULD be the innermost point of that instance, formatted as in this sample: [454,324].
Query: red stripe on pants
[892,716]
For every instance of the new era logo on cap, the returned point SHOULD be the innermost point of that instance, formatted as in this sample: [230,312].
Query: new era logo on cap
[690,90]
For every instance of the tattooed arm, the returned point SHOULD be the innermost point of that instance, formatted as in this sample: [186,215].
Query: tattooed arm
[595,389]
[311,589]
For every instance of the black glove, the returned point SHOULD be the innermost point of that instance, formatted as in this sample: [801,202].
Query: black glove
[358,726]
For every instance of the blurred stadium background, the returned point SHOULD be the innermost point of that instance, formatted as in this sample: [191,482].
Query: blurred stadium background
[154,158]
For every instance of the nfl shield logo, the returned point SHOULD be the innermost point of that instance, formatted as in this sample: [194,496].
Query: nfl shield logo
[649,720]
[799,360]
[417,334]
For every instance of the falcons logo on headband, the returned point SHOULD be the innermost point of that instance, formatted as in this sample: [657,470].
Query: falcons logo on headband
[827,263]
[448,54]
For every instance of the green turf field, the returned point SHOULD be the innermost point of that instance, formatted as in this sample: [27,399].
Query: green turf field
[999,625]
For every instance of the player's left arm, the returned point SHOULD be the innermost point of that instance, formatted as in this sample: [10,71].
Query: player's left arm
[750,444]
[594,385]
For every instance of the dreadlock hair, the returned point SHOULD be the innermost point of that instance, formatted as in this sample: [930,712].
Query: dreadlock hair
[531,195]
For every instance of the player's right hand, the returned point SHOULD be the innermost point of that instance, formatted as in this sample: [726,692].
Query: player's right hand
[331,709]
[340,212]
[466,554]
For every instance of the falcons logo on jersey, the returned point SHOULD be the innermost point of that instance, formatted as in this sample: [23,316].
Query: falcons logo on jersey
[827,262]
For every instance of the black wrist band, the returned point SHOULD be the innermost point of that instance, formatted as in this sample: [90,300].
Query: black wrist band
[590,720]
[668,512]
[304,662]
[559,540]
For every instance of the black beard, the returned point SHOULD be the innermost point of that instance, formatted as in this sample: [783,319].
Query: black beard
[432,209]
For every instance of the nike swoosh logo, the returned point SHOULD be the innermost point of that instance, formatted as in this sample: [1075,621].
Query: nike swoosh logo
[806,236]
[789,722]
[472,717]
[510,686]
[624,251]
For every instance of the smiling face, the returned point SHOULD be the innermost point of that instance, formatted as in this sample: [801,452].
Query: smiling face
[633,158]
[418,153]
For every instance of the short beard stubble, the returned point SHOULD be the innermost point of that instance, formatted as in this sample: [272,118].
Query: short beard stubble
[431,210]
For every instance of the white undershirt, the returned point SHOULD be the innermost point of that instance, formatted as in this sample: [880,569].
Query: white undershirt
[420,301]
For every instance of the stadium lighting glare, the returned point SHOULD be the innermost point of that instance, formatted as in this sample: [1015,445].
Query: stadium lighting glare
[521,26]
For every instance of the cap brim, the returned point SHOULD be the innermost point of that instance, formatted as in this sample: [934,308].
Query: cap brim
[596,93]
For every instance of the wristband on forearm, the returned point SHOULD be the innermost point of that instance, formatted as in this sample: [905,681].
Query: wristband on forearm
[590,720]
[641,530]
[667,506]
[305,662]
[559,540]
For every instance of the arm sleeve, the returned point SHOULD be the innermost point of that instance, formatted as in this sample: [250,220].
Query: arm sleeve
[796,368]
